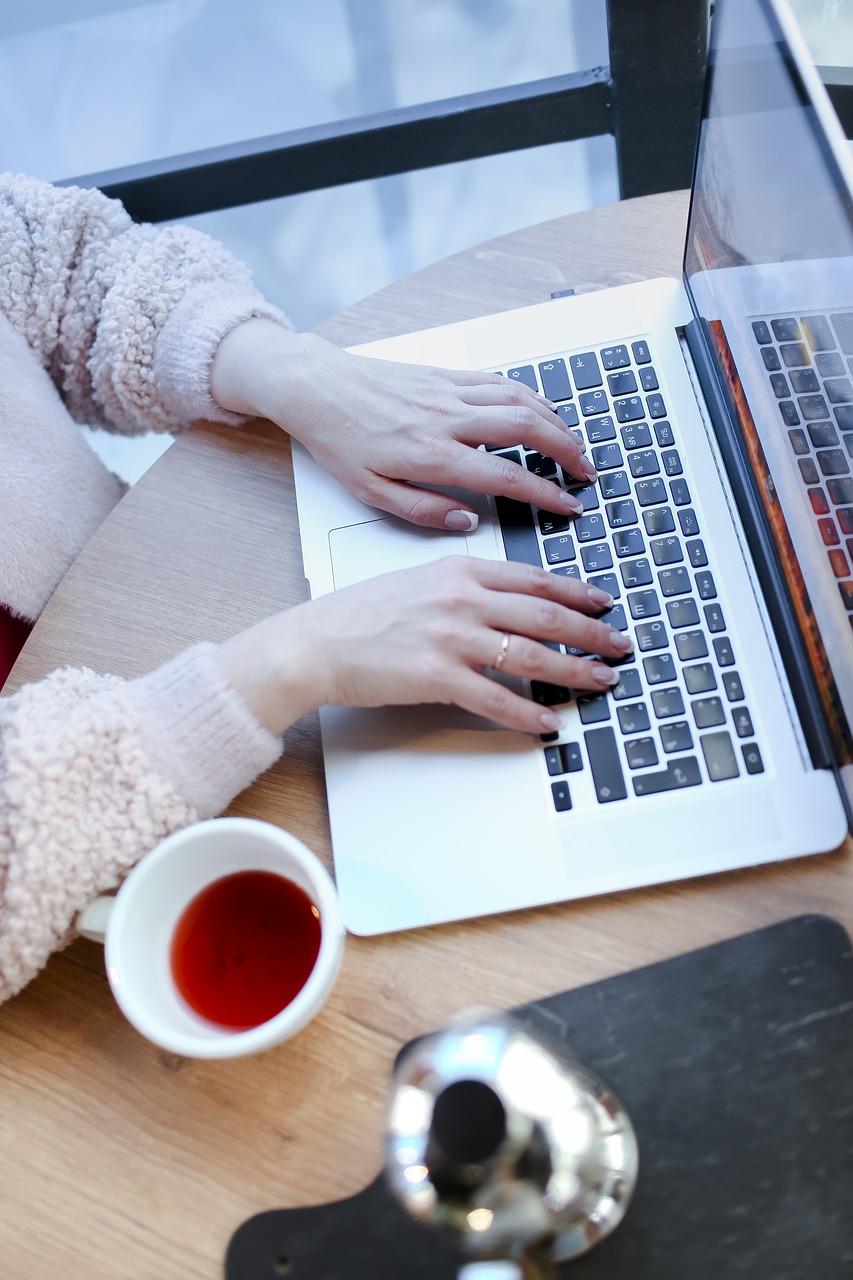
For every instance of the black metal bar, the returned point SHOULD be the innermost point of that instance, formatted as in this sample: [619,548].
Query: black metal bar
[839,86]
[559,109]
[658,52]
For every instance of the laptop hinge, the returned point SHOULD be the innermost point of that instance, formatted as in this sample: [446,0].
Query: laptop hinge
[777,597]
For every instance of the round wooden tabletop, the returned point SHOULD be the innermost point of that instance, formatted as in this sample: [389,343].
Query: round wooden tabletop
[121,1159]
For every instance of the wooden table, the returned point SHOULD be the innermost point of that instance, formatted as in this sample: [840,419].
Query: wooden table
[121,1160]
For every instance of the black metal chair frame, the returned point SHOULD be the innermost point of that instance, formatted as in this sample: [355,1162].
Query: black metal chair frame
[649,98]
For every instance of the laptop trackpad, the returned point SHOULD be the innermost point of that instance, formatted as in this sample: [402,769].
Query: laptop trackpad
[365,550]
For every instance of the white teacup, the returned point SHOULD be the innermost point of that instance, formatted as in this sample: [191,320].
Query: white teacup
[138,923]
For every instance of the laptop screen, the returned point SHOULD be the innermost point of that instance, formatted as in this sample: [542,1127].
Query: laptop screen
[769,267]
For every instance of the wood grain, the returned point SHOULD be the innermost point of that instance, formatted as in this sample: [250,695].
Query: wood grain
[122,1160]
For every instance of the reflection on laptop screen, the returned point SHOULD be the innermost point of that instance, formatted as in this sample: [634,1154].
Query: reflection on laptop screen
[769,267]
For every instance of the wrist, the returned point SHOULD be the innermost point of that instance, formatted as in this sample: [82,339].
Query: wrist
[262,369]
[269,667]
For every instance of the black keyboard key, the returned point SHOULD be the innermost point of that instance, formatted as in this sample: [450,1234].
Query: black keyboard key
[628,542]
[818,333]
[732,686]
[752,757]
[644,463]
[677,774]
[651,635]
[540,465]
[813,408]
[714,619]
[840,491]
[641,753]
[844,416]
[770,356]
[667,703]
[549,695]
[603,755]
[808,471]
[663,433]
[600,429]
[596,557]
[720,759]
[658,520]
[555,380]
[846,591]
[554,761]
[605,457]
[680,492]
[820,506]
[700,679]
[761,331]
[666,551]
[585,370]
[779,386]
[676,737]
[742,722]
[518,531]
[649,380]
[822,435]
[672,462]
[794,355]
[590,528]
[614,484]
[621,514]
[629,410]
[593,709]
[833,462]
[550,523]
[615,617]
[803,381]
[842,323]
[723,650]
[621,384]
[691,645]
[644,604]
[636,573]
[659,668]
[696,553]
[562,796]
[560,549]
[633,717]
[567,570]
[785,330]
[641,352]
[705,585]
[839,390]
[606,582]
[682,613]
[572,758]
[830,366]
[615,357]
[636,435]
[630,685]
[674,582]
[689,521]
[650,492]
[788,410]
[569,414]
[587,496]
[655,405]
[708,712]
[526,374]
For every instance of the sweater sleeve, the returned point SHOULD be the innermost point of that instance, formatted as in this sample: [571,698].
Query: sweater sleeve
[95,771]
[125,317]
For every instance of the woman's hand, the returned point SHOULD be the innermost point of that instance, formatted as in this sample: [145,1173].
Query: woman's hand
[390,432]
[428,635]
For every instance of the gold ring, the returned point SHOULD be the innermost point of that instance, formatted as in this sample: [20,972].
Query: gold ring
[500,656]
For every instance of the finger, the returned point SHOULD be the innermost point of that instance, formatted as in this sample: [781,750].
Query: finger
[502,391]
[550,621]
[422,507]
[486,697]
[492,473]
[536,428]
[530,660]
[529,580]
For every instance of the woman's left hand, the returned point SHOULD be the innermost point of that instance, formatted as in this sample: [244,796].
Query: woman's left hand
[390,432]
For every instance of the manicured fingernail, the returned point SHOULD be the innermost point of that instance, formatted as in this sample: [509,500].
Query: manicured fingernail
[605,675]
[602,598]
[588,469]
[549,721]
[621,642]
[462,521]
[573,503]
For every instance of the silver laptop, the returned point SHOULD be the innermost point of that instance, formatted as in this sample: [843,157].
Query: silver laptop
[719,413]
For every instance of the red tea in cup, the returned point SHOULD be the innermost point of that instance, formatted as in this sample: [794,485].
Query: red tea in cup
[244,948]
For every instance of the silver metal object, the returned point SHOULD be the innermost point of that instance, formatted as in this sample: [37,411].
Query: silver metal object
[508,1146]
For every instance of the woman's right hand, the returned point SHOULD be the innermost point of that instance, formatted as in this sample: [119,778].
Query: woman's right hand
[428,635]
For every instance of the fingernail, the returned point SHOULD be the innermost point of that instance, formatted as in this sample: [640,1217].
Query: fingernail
[573,503]
[602,598]
[549,721]
[463,521]
[588,469]
[621,642]
[605,675]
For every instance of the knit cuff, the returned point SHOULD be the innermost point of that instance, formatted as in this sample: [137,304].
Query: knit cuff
[187,343]
[199,732]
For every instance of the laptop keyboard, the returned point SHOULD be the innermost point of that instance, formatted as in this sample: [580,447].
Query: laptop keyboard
[809,363]
[679,716]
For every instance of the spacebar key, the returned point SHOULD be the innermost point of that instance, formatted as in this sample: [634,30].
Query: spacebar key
[518,531]
[605,765]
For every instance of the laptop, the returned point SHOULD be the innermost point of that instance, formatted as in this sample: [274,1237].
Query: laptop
[719,414]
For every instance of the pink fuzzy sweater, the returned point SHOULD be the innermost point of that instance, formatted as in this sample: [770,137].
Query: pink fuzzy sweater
[108,323]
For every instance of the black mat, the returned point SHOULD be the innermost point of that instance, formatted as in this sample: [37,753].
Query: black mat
[735,1063]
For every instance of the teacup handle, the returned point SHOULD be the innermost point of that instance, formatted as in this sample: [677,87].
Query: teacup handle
[92,920]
